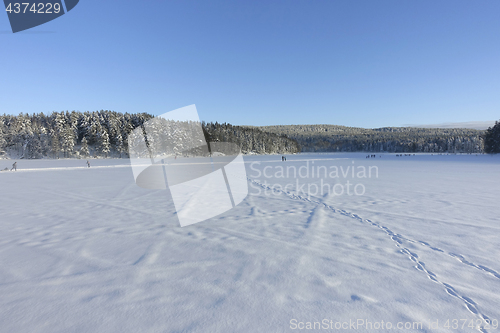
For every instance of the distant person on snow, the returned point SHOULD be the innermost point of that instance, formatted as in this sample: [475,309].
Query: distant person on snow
[88,163]
[14,166]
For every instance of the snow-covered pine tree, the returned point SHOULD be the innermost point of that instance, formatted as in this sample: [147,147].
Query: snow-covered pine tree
[3,142]
[84,150]
[25,133]
[74,119]
[33,147]
[84,125]
[44,141]
[55,145]
[59,121]
[94,129]
[104,143]
[68,140]
[119,145]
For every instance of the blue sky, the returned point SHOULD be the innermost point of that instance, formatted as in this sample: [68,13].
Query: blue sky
[355,63]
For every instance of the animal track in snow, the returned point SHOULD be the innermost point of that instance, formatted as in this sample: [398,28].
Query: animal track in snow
[398,239]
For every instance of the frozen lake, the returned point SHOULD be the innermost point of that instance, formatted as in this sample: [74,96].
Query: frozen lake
[334,242]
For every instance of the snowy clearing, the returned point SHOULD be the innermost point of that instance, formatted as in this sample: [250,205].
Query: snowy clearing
[87,250]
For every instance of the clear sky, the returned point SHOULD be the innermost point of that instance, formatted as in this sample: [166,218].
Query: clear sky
[358,63]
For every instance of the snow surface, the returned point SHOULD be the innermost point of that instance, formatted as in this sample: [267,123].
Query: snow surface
[87,250]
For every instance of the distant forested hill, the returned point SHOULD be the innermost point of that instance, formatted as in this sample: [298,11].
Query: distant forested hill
[105,134]
[330,138]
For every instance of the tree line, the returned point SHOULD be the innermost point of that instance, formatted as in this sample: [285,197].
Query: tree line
[251,139]
[331,138]
[105,134]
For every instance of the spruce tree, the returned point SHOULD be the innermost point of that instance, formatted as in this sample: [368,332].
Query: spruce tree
[104,143]
[84,150]
[68,140]
[55,145]
[3,142]
[34,147]
[119,146]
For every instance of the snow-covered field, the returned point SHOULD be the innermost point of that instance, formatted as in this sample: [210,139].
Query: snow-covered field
[415,249]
